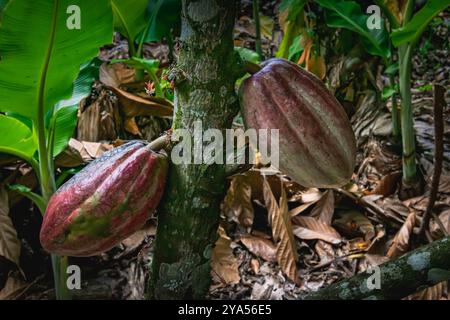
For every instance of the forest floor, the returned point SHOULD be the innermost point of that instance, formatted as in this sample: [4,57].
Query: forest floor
[336,236]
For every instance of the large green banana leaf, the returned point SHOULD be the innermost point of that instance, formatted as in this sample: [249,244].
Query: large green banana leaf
[412,31]
[41,56]
[16,138]
[348,15]
[22,142]
[129,17]
[66,110]
[292,7]
[163,16]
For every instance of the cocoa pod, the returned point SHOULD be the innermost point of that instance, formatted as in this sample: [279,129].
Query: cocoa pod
[106,202]
[317,144]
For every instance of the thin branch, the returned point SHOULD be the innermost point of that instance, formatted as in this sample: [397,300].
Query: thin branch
[374,209]
[439,102]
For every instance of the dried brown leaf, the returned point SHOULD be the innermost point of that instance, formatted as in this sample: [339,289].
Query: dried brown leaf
[400,244]
[95,149]
[14,286]
[308,234]
[260,247]
[307,45]
[444,184]
[237,204]
[135,242]
[388,184]
[445,219]
[293,189]
[397,8]
[419,203]
[255,179]
[282,231]
[81,152]
[98,121]
[297,210]
[114,75]
[10,245]
[311,195]
[133,105]
[254,265]
[435,292]
[353,223]
[325,251]
[131,126]
[314,224]
[223,262]
[316,65]
[394,208]
[371,260]
[324,209]
[71,156]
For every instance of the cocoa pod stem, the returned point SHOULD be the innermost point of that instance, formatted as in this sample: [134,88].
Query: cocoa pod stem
[160,143]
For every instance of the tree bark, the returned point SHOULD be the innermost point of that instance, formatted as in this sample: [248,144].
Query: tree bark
[399,278]
[205,77]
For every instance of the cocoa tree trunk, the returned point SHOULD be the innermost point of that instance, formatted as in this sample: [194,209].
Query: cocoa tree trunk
[206,73]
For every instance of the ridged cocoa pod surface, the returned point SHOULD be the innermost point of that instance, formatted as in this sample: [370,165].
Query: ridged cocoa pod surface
[106,202]
[317,144]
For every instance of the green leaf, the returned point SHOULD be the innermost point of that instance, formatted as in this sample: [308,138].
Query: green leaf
[412,31]
[348,15]
[248,55]
[293,7]
[392,69]
[293,28]
[26,121]
[16,139]
[65,124]
[129,17]
[27,192]
[426,87]
[41,56]
[163,16]
[388,92]
[66,110]
[151,65]
[65,173]
[89,72]
[295,49]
